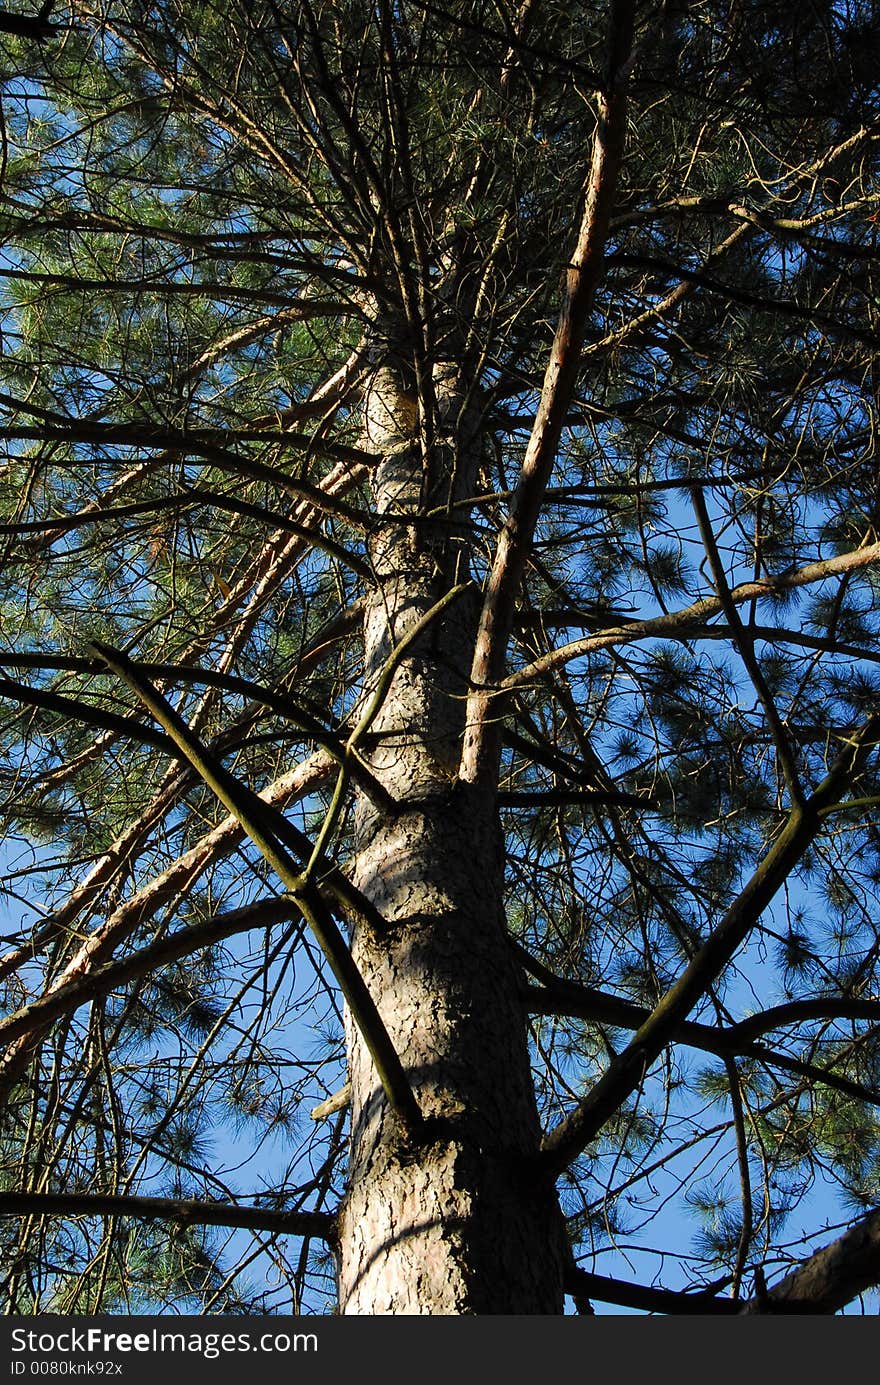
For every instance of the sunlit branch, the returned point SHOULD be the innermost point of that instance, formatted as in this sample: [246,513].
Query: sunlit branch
[674,624]
[479,751]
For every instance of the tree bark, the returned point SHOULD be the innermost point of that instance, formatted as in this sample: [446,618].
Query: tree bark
[455,1224]
[832,1277]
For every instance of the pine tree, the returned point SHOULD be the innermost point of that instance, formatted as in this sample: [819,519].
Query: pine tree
[440,732]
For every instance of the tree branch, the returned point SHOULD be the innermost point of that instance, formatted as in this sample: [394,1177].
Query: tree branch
[627,1071]
[268,830]
[583,1283]
[184,1211]
[30,26]
[831,1278]
[277,701]
[744,640]
[558,997]
[825,1283]
[70,994]
[165,887]
[481,742]
[674,624]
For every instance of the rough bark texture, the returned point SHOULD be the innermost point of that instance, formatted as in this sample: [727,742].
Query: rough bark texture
[454,1225]
[831,1278]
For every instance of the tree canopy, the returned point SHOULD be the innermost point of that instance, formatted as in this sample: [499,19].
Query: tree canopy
[550,331]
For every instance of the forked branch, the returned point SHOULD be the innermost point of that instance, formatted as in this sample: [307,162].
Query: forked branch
[267,829]
[627,1071]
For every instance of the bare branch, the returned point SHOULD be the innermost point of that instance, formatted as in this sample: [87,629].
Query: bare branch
[628,1070]
[182,1211]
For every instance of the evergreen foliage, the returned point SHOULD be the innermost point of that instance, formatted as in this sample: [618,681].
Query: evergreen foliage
[219,220]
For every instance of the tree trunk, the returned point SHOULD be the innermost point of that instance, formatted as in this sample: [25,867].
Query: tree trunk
[457,1224]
